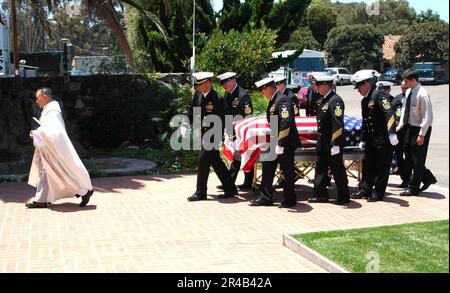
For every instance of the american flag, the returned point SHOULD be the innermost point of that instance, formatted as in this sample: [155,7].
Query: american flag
[252,136]
[352,131]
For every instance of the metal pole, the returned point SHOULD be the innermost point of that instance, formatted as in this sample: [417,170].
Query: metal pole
[193,43]
[66,67]
[14,37]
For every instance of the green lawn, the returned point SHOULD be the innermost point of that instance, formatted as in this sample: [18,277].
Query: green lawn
[419,247]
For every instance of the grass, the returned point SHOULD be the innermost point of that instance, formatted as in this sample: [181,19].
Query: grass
[409,248]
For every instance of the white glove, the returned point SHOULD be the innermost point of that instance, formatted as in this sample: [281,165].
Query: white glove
[279,150]
[362,144]
[393,138]
[184,130]
[335,150]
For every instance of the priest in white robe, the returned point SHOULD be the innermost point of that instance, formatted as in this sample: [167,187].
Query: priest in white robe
[57,171]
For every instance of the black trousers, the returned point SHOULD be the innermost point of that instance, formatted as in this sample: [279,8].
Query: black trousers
[375,169]
[234,171]
[205,161]
[326,161]
[403,166]
[286,161]
[416,157]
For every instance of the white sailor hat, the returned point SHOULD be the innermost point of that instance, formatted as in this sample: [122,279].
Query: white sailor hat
[224,77]
[384,85]
[264,83]
[201,77]
[323,78]
[279,79]
[362,76]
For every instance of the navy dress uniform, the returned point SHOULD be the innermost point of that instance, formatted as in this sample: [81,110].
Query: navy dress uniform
[313,101]
[403,168]
[237,103]
[288,140]
[210,103]
[330,145]
[281,86]
[280,82]
[378,135]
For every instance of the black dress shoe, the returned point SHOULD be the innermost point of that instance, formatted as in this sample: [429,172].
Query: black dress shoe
[404,184]
[359,195]
[262,200]
[426,185]
[279,184]
[85,198]
[409,192]
[287,204]
[341,202]
[374,198]
[220,187]
[228,194]
[196,197]
[314,199]
[245,186]
[36,205]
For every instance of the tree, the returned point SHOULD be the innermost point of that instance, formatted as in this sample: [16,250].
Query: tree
[394,17]
[301,39]
[248,53]
[283,16]
[354,45]
[153,51]
[321,18]
[423,42]
[104,10]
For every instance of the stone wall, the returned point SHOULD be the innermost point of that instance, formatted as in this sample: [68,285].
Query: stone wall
[99,111]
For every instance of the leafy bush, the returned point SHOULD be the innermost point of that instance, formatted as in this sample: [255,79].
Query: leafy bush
[247,53]
[354,45]
[423,42]
[168,160]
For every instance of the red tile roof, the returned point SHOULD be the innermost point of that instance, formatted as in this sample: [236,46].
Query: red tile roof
[388,46]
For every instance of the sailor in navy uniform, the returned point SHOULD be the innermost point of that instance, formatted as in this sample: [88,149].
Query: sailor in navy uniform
[210,103]
[403,167]
[280,107]
[377,134]
[281,87]
[238,103]
[330,144]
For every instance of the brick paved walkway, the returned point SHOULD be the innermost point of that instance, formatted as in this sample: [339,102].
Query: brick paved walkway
[145,224]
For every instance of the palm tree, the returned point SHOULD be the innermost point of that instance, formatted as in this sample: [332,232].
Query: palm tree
[106,11]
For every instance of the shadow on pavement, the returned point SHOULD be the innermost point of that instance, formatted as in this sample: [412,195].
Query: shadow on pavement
[22,192]
[71,208]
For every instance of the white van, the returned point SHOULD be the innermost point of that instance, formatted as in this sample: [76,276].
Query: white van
[341,75]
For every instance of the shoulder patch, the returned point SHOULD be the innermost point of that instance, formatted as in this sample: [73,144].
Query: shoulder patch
[247,109]
[386,104]
[284,112]
[338,111]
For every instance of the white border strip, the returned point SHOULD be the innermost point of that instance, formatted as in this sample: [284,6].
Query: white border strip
[311,255]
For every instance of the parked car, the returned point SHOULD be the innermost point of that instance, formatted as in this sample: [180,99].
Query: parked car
[393,75]
[430,72]
[341,74]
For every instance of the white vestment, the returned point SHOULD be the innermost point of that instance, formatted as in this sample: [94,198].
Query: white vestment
[56,165]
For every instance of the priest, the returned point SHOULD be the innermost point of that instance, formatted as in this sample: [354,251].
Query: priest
[57,171]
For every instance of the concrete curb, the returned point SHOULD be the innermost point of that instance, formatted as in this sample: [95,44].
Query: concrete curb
[312,255]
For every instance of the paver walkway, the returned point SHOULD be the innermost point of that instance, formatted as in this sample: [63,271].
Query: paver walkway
[145,224]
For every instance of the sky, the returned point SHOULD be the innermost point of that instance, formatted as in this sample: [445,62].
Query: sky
[439,6]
